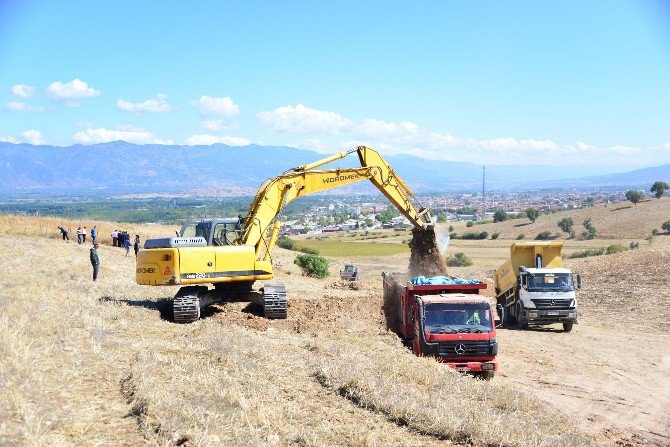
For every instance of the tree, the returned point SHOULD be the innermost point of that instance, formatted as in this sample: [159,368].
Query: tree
[387,214]
[500,216]
[634,196]
[659,188]
[566,224]
[666,226]
[532,214]
[441,218]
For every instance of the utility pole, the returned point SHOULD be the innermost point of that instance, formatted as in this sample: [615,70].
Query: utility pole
[483,192]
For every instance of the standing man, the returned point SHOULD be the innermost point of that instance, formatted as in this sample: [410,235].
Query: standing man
[94,234]
[136,244]
[83,235]
[79,235]
[95,261]
[115,237]
[126,243]
[63,232]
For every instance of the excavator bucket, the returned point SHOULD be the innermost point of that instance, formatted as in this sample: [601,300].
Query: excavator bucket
[428,251]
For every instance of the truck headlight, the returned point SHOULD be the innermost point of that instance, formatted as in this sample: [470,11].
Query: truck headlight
[532,314]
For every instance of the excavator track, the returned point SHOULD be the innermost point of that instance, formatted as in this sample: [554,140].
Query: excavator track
[186,304]
[275,303]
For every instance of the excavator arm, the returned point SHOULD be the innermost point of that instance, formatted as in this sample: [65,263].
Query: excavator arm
[276,192]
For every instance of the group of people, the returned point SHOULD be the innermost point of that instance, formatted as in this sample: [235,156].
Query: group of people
[119,239]
[81,234]
[122,239]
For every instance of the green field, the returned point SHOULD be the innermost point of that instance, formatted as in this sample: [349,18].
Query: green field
[355,249]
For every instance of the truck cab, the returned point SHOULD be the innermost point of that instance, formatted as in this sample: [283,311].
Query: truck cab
[458,330]
[547,296]
[452,323]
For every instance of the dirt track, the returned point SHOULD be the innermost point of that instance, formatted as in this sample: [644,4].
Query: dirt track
[608,373]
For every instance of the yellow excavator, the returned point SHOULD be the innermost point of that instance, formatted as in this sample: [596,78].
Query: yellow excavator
[233,253]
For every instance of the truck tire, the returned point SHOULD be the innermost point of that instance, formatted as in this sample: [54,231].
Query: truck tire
[521,322]
[487,375]
[567,327]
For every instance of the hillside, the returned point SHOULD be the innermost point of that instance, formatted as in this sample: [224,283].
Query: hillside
[125,376]
[620,221]
[120,167]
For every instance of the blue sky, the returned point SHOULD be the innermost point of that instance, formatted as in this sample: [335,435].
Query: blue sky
[489,81]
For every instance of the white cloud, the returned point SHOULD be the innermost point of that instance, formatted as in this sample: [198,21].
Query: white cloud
[32,137]
[128,134]
[378,128]
[23,90]
[5,139]
[20,106]
[210,106]
[302,119]
[207,140]
[71,91]
[159,104]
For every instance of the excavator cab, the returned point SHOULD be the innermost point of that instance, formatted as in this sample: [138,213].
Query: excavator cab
[217,232]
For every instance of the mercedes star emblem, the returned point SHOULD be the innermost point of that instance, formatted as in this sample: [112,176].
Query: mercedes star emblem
[552,302]
[460,349]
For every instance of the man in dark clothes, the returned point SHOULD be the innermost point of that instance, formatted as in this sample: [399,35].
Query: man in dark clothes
[95,261]
[63,231]
[136,244]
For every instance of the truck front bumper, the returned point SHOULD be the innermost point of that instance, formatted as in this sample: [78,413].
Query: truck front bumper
[543,316]
[467,366]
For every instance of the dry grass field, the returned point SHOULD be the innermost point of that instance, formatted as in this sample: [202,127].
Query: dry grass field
[84,363]
[620,221]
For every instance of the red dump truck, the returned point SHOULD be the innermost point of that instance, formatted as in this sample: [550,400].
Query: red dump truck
[450,322]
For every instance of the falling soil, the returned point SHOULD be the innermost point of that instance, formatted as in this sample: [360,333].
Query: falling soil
[426,258]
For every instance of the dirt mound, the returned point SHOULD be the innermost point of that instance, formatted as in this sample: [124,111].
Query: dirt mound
[628,288]
[426,258]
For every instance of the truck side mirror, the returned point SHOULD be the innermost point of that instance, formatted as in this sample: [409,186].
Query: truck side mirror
[579,281]
[500,310]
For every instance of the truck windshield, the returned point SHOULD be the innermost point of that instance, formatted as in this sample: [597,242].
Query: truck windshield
[195,230]
[544,282]
[458,317]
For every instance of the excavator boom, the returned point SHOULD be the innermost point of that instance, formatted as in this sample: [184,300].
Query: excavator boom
[276,192]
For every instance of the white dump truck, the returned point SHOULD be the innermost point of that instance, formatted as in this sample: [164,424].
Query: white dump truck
[533,288]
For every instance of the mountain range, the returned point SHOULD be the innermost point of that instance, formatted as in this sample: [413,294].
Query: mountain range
[119,167]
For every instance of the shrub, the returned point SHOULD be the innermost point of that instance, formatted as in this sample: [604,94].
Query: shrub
[666,226]
[451,228]
[482,235]
[634,245]
[587,253]
[312,265]
[566,224]
[500,216]
[459,260]
[285,242]
[654,232]
[616,248]
[495,235]
[470,224]
[532,214]
[521,236]
[453,235]
[545,235]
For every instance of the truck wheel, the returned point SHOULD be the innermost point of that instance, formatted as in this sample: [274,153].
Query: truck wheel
[567,327]
[487,375]
[520,320]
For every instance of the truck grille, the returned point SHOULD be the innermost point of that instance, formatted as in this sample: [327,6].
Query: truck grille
[552,303]
[463,348]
